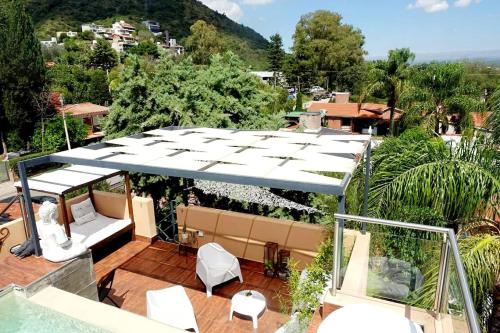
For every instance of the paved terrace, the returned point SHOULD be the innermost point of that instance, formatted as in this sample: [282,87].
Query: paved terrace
[159,266]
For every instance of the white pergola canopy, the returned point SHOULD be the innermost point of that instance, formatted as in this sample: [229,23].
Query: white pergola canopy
[295,161]
[67,179]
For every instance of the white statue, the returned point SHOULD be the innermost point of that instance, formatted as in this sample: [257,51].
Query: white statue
[56,245]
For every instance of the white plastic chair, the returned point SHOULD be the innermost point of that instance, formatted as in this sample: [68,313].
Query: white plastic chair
[214,266]
[171,306]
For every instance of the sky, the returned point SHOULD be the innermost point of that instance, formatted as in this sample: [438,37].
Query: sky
[425,26]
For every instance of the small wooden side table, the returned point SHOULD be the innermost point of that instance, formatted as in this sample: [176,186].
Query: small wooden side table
[186,244]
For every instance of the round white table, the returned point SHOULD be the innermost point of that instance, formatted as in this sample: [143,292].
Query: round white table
[362,318]
[251,305]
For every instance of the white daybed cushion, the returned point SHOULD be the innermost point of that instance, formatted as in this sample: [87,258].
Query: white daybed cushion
[93,232]
[83,212]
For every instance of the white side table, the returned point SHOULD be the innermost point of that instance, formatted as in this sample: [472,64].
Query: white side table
[251,305]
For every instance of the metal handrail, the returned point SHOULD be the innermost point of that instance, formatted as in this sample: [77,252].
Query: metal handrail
[449,245]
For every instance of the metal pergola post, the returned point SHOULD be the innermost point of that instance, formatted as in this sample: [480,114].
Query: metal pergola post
[339,236]
[22,165]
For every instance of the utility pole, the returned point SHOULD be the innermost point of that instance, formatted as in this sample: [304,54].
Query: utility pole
[64,121]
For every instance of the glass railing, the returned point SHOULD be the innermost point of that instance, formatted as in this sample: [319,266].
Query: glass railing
[411,264]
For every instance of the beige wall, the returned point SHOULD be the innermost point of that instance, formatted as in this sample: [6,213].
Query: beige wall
[17,236]
[245,235]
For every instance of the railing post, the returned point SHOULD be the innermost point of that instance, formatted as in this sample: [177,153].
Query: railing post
[442,283]
[339,233]
[336,266]
[367,183]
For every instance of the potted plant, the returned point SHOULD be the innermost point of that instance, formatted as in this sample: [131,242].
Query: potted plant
[248,293]
[269,268]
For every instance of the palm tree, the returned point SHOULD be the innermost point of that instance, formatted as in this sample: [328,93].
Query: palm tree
[493,121]
[462,185]
[436,91]
[389,78]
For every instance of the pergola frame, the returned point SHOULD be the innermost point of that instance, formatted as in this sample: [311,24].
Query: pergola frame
[73,157]
[61,194]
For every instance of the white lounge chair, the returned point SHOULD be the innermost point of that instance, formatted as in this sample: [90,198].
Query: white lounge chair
[214,266]
[171,306]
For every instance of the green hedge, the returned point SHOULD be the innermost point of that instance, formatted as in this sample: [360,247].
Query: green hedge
[13,162]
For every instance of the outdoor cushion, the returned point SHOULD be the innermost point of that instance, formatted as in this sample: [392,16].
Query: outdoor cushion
[83,211]
[97,230]
[214,266]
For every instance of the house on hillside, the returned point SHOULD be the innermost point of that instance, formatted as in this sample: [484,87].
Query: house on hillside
[153,27]
[90,114]
[123,28]
[52,42]
[121,43]
[271,77]
[354,117]
[70,34]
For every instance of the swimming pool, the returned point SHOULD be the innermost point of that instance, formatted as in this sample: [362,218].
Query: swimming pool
[19,315]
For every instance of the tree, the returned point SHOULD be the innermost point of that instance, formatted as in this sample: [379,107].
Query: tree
[78,84]
[222,94]
[437,91]
[147,48]
[493,121]
[55,137]
[327,50]
[459,186]
[390,77]
[203,42]
[22,73]
[103,56]
[275,53]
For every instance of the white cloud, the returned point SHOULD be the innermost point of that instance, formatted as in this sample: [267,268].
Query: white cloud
[256,2]
[430,6]
[228,7]
[465,3]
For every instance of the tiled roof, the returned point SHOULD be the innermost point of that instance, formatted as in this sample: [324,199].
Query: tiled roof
[354,110]
[479,118]
[86,109]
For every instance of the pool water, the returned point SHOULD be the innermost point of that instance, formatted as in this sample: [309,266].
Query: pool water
[19,315]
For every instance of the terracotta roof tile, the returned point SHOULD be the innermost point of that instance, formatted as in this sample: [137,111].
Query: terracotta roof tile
[354,110]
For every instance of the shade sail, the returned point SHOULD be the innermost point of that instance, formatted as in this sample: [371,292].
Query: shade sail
[65,180]
[287,160]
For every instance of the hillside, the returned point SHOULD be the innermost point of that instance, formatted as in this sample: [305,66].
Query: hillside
[176,16]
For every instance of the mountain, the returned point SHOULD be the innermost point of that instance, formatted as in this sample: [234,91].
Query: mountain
[176,16]
[489,57]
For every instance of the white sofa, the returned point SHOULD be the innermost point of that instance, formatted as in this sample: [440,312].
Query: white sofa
[97,230]
[214,266]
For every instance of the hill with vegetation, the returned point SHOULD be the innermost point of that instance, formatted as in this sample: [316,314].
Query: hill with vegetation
[176,16]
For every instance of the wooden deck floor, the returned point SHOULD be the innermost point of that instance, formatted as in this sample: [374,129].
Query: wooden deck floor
[24,271]
[160,266]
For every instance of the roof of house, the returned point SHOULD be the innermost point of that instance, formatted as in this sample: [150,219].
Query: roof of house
[479,118]
[86,109]
[126,25]
[354,110]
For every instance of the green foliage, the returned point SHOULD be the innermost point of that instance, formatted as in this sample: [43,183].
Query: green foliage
[417,172]
[389,78]
[326,49]
[55,138]
[222,94]
[481,262]
[76,52]
[78,84]
[203,43]
[22,73]
[13,162]
[298,102]
[145,48]
[86,35]
[275,53]
[103,56]
[436,91]
[493,121]
[305,291]
[176,16]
